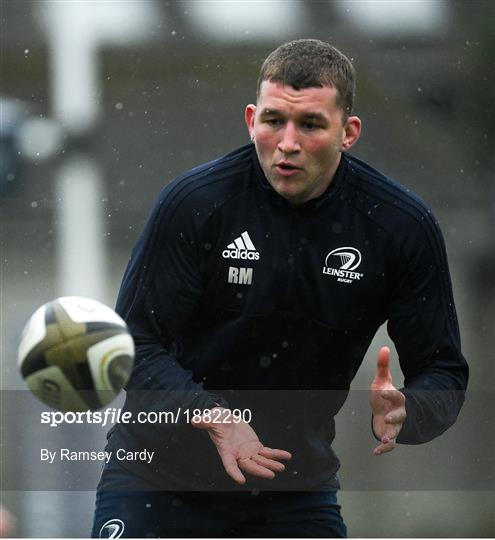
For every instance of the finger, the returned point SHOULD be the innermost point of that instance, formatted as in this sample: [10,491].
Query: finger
[391,431]
[251,467]
[390,435]
[274,453]
[268,463]
[396,397]
[396,417]
[384,448]
[383,366]
[232,469]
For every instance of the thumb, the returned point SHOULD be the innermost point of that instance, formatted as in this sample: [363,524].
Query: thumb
[383,374]
[201,422]
[206,420]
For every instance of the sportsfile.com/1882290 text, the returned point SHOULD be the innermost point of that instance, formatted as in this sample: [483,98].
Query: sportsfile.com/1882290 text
[114,415]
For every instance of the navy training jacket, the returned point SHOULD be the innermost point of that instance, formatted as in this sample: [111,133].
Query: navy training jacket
[236,297]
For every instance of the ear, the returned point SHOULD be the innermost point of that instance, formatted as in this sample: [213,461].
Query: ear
[352,131]
[249,116]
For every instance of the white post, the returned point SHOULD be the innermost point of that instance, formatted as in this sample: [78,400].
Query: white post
[79,217]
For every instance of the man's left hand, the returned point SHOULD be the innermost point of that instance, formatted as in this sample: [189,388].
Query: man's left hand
[388,405]
[240,449]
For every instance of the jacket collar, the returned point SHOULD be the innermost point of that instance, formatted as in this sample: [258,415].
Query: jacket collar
[331,191]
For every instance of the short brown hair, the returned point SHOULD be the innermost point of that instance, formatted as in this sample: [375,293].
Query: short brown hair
[306,63]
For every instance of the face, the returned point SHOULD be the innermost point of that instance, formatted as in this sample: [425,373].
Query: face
[299,137]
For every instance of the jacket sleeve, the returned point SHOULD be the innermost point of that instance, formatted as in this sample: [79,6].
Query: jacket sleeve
[162,287]
[423,325]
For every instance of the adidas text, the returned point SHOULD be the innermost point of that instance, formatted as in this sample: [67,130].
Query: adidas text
[240,254]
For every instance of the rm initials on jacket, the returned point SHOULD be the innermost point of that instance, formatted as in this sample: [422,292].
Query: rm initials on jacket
[240,276]
[241,248]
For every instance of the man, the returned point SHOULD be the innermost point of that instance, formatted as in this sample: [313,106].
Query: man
[257,285]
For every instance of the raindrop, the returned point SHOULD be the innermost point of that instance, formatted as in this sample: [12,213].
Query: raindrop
[265,361]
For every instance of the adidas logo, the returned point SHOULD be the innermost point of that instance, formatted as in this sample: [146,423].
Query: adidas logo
[241,248]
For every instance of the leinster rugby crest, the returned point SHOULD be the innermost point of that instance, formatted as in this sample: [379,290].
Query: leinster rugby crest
[341,264]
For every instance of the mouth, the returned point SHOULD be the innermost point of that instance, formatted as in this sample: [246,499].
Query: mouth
[286,168]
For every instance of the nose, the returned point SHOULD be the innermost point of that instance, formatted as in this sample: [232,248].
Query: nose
[289,142]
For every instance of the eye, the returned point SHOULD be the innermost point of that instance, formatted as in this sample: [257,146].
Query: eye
[310,126]
[273,121]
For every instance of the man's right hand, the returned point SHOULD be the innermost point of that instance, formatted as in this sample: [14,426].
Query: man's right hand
[240,449]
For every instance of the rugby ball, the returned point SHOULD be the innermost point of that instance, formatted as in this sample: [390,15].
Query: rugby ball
[75,354]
